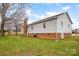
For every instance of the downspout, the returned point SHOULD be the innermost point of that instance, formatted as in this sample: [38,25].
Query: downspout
[56,31]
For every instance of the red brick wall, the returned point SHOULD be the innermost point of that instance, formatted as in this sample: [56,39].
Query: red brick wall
[44,35]
[48,35]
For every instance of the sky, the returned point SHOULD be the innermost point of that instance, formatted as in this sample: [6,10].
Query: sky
[39,11]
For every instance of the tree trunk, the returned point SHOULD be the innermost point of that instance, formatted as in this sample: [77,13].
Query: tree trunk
[16,31]
[2,28]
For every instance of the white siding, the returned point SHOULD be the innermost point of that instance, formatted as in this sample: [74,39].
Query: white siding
[65,28]
[51,27]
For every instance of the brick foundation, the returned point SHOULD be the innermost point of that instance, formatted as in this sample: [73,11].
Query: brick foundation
[48,35]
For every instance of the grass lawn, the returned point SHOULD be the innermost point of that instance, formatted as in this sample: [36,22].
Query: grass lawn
[21,45]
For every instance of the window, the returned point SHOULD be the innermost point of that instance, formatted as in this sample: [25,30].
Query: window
[62,24]
[32,27]
[44,25]
[68,26]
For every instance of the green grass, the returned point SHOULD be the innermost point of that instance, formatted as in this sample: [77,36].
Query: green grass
[21,45]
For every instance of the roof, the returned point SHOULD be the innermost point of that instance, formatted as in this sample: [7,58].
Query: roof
[50,18]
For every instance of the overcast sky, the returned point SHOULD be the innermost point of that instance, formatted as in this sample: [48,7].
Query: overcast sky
[41,10]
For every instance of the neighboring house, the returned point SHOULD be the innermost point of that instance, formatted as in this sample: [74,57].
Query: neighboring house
[10,26]
[54,27]
[75,31]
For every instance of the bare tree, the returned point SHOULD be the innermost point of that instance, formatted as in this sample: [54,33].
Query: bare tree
[19,17]
[9,11]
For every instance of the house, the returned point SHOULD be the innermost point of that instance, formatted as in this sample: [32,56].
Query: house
[54,27]
[10,26]
[75,31]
